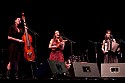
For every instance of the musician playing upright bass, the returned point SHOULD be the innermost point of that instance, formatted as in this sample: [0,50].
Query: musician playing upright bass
[15,48]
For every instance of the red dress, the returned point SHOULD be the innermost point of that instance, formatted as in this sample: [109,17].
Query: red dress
[56,54]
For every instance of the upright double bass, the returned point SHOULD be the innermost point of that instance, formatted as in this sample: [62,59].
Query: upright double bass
[29,54]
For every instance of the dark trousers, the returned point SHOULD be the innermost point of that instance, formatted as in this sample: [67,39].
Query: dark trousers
[110,58]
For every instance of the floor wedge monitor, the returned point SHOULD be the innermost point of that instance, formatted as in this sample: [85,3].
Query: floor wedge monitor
[85,69]
[113,70]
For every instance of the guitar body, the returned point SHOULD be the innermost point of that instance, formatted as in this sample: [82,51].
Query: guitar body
[29,54]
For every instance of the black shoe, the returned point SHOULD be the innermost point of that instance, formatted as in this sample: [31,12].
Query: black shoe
[7,77]
[16,76]
[8,74]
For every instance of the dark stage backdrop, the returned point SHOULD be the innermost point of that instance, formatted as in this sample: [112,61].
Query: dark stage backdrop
[80,22]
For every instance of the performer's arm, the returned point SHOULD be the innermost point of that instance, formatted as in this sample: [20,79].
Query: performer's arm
[50,44]
[15,39]
[103,44]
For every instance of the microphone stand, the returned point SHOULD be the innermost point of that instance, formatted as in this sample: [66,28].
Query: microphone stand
[35,34]
[122,41]
[95,46]
[71,42]
[121,56]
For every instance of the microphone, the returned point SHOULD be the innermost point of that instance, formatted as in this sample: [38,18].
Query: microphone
[22,13]
[111,36]
[67,38]
[62,34]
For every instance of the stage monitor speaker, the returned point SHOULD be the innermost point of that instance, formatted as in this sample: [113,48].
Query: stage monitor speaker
[86,69]
[58,68]
[113,70]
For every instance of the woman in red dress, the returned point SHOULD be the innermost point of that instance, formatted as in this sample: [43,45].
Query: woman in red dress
[57,46]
